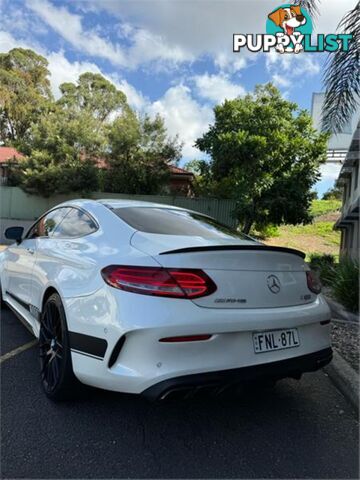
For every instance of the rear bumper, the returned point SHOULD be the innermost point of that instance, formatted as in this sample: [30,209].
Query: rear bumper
[144,361]
[292,367]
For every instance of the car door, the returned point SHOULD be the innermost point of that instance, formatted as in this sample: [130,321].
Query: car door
[60,254]
[21,257]
[19,265]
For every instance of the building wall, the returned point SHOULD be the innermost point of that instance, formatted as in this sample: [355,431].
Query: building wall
[349,221]
[350,240]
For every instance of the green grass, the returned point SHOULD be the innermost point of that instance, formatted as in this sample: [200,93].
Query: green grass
[325,230]
[317,237]
[321,207]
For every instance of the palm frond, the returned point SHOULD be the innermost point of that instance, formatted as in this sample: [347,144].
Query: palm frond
[311,6]
[341,77]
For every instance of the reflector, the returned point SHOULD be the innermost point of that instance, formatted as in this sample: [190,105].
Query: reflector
[313,282]
[187,338]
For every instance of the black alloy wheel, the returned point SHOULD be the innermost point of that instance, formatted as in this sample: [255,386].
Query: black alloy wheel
[51,347]
[57,375]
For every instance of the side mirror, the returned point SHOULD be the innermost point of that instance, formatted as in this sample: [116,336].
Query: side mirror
[14,233]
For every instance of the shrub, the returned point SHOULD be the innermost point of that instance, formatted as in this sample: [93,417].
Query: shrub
[265,231]
[324,265]
[44,177]
[345,283]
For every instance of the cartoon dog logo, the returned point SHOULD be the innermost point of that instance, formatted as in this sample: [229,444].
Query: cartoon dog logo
[288,18]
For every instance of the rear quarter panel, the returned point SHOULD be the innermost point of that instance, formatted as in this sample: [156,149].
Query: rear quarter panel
[73,266]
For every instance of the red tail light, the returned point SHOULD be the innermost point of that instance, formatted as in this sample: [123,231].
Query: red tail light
[164,282]
[313,282]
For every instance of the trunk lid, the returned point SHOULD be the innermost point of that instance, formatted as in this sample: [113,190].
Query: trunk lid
[247,274]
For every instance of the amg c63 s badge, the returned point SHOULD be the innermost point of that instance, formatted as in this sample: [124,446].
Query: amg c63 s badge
[152,299]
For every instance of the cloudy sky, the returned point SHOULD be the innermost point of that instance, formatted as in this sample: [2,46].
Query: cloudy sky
[169,56]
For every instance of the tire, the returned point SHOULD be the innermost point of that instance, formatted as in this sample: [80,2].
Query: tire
[57,377]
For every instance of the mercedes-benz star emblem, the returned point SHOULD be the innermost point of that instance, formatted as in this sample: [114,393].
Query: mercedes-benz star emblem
[273,284]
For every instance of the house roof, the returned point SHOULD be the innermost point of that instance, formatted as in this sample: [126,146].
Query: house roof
[179,171]
[9,153]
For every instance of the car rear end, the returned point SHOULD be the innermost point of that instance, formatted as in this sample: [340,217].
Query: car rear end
[214,309]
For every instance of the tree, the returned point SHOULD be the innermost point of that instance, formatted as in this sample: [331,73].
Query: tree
[341,77]
[64,145]
[65,141]
[311,6]
[202,184]
[94,94]
[139,154]
[334,193]
[59,151]
[266,154]
[24,92]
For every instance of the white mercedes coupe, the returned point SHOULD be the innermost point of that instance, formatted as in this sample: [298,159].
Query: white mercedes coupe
[152,299]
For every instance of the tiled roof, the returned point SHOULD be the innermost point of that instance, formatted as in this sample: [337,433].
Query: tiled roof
[178,170]
[9,153]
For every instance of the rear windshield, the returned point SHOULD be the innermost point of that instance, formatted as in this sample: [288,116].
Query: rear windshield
[168,221]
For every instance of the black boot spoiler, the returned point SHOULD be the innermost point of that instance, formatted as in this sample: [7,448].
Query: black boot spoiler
[258,247]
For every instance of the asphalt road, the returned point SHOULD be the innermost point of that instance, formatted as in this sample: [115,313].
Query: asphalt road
[298,430]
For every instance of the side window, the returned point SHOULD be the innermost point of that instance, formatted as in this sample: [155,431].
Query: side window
[48,223]
[76,224]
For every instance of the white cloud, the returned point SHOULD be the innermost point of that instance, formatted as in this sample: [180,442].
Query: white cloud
[148,47]
[8,41]
[309,66]
[330,171]
[303,63]
[329,175]
[64,71]
[145,46]
[61,69]
[217,88]
[227,61]
[331,12]
[206,27]
[134,97]
[289,71]
[280,81]
[183,116]
[169,33]
[69,26]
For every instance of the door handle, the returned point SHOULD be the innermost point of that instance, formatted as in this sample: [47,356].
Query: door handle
[30,250]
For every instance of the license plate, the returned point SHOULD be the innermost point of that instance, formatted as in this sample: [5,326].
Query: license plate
[275,340]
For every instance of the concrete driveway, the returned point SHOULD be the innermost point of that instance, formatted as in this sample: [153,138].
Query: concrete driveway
[300,429]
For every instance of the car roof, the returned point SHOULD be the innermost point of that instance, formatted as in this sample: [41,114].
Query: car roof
[114,203]
[122,203]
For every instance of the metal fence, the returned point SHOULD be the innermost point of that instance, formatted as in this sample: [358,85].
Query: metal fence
[15,204]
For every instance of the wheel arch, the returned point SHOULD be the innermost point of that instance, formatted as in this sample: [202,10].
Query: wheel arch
[47,294]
